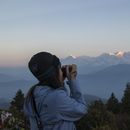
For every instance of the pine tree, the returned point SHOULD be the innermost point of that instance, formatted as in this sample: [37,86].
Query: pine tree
[16,108]
[126,100]
[113,104]
[18,101]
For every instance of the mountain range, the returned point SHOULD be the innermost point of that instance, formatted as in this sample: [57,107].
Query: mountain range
[99,76]
[88,64]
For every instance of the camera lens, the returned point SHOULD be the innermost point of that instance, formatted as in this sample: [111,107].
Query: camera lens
[64,70]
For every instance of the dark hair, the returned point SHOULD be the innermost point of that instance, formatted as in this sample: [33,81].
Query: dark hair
[45,67]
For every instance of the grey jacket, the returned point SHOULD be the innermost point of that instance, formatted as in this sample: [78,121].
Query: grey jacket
[57,109]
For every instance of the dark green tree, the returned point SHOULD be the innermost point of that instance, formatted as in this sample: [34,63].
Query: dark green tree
[113,104]
[97,118]
[18,101]
[16,108]
[126,100]
[123,121]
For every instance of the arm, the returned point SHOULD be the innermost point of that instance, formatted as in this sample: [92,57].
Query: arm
[73,84]
[74,107]
[76,92]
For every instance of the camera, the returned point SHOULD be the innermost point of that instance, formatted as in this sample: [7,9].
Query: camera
[64,70]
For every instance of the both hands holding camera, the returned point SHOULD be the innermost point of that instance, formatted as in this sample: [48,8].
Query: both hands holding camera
[69,71]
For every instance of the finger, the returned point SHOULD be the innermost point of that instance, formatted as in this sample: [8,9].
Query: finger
[74,67]
[67,71]
[74,74]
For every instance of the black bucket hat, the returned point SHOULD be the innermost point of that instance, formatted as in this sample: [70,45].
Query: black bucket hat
[43,65]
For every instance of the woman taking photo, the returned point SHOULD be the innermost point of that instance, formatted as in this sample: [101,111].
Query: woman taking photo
[48,104]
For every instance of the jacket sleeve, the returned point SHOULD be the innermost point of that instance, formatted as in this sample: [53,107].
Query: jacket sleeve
[72,107]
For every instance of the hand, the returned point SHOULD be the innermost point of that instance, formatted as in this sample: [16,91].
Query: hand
[73,73]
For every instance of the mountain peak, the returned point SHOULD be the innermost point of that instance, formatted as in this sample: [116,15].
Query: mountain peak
[74,57]
[71,57]
[118,54]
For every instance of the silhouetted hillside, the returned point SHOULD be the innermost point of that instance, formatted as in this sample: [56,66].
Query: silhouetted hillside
[102,83]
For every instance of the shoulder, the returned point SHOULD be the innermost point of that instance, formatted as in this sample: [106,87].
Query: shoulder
[56,96]
[51,94]
[60,92]
[41,90]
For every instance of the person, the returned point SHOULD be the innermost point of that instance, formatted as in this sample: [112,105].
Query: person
[48,104]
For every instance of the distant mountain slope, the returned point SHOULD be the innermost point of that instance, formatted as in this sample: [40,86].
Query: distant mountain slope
[17,72]
[9,89]
[6,78]
[4,103]
[114,70]
[103,83]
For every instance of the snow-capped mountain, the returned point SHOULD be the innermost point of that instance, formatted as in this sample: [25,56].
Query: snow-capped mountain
[88,64]
[119,54]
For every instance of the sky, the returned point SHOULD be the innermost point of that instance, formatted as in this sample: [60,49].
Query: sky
[62,27]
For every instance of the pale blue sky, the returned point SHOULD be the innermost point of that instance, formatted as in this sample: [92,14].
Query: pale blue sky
[63,27]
